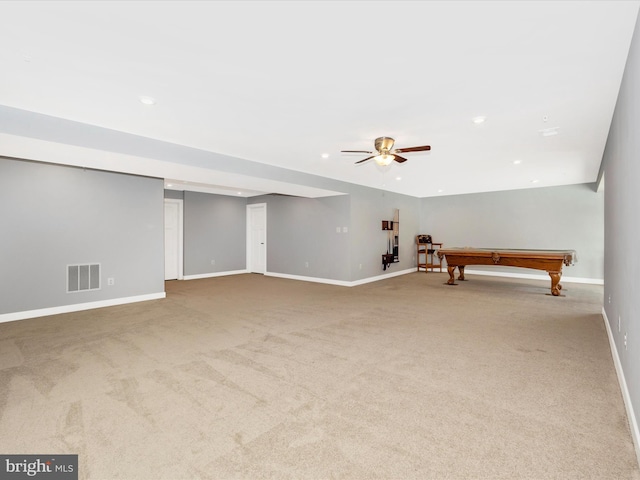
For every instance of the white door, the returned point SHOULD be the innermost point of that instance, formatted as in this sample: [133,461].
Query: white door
[172,239]
[257,238]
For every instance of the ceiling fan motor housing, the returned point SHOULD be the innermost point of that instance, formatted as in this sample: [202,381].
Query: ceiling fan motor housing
[384,144]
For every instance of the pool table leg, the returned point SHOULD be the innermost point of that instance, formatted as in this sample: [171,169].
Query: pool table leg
[461,272]
[451,270]
[555,283]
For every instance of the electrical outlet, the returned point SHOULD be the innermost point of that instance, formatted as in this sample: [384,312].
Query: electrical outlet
[337,229]
[625,341]
[306,264]
[213,262]
[619,321]
[111,281]
[345,229]
[609,298]
[360,267]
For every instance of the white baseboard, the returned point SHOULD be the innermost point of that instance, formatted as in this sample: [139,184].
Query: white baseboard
[302,278]
[341,283]
[633,422]
[530,276]
[382,277]
[214,274]
[77,307]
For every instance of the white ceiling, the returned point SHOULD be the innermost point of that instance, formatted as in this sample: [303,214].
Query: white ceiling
[281,83]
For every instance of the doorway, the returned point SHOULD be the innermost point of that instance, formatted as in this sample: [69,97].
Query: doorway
[173,253]
[257,238]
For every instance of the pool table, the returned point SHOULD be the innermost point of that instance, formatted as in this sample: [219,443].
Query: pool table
[549,260]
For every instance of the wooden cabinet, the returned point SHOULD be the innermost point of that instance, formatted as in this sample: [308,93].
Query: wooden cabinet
[426,253]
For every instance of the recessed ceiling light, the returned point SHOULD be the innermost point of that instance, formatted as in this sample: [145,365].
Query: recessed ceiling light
[147,100]
[239,193]
[398,178]
[325,155]
[169,184]
[479,119]
[548,132]
[517,162]
[534,181]
[440,191]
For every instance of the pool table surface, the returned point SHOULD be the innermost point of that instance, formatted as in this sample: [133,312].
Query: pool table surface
[549,260]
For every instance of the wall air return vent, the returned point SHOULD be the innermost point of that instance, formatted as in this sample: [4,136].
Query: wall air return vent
[83,277]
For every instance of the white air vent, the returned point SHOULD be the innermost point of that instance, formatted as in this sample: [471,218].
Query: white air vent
[83,277]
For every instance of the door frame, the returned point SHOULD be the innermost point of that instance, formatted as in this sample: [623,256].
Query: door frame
[180,203]
[250,211]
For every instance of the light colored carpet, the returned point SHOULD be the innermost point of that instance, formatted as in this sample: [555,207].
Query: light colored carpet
[250,377]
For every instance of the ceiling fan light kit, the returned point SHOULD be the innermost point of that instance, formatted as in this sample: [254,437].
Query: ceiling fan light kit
[384,159]
[386,154]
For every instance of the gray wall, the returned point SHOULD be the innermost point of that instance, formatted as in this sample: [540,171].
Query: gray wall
[174,194]
[622,223]
[567,217]
[214,233]
[368,241]
[303,230]
[53,216]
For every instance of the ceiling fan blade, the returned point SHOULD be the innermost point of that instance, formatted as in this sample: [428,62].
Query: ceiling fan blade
[355,151]
[364,159]
[413,149]
[398,158]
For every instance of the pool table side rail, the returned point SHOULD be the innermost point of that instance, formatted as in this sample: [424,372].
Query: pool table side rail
[538,260]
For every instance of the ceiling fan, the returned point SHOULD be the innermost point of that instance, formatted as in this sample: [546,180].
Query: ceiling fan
[386,155]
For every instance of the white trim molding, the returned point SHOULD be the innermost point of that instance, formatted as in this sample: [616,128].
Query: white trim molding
[631,416]
[214,274]
[77,307]
[341,283]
